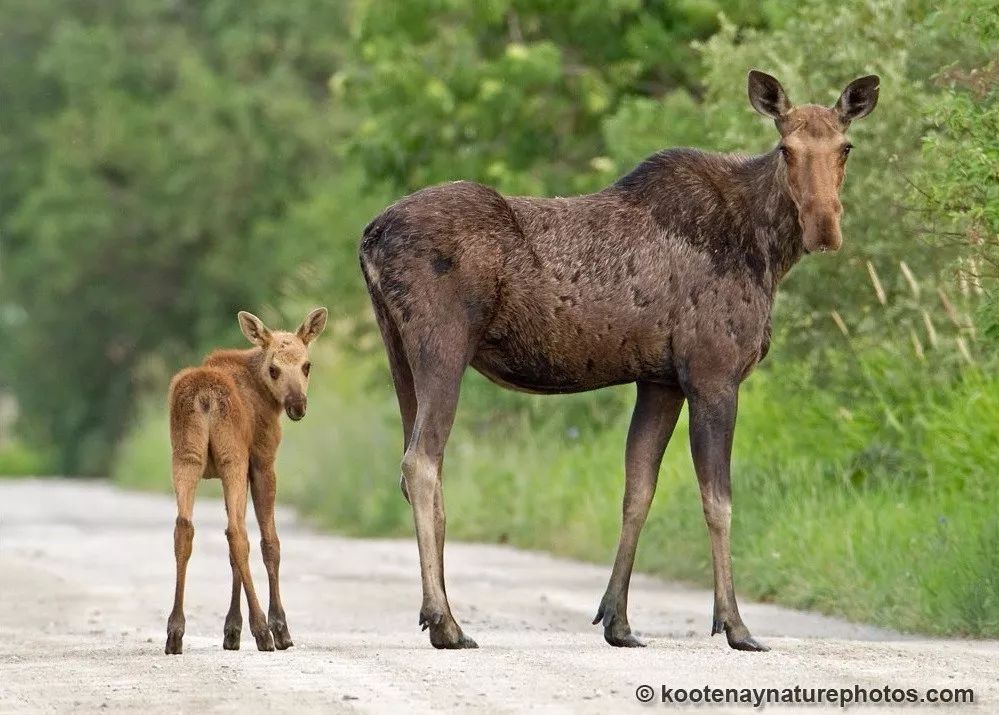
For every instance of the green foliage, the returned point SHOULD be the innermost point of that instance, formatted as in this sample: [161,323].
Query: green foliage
[511,92]
[19,460]
[957,188]
[153,203]
[958,184]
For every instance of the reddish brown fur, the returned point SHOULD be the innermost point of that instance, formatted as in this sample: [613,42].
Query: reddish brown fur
[665,279]
[225,424]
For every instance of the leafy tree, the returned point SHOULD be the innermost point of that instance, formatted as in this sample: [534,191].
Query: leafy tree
[511,92]
[156,146]
[957,187]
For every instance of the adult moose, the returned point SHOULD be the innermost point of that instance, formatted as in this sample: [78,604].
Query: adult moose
[665,279]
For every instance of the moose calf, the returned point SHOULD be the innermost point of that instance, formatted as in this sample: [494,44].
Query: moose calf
[224,423]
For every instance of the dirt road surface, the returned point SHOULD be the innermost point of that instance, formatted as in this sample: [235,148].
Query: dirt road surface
[86,581]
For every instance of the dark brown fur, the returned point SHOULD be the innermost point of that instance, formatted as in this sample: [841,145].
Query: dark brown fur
[665,279]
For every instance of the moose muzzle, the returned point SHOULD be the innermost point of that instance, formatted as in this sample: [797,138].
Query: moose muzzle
[821,232]
[294,407]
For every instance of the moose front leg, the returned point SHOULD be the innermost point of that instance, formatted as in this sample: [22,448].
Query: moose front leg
[656,411]
[263,487]
[712,427]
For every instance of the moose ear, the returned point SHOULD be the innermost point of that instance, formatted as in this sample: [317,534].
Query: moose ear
[254,329]
[767,96]
[312,325]
[858,99]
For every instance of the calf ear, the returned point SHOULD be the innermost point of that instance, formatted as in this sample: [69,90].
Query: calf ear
[312,325]
[254,329]
[858,99]
[767,96]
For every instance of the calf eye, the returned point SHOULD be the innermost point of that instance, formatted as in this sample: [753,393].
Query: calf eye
[846,150]
[274,371]
[306,367]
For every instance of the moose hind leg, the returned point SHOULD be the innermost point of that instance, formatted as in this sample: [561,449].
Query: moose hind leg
[185,479]
[712,426]
[656,411]
[233,627]
[402,375]
[437,379]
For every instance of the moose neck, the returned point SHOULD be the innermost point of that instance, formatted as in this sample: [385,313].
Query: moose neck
[762,180]
[736,210]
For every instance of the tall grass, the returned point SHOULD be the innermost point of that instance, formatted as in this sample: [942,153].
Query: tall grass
[864,475]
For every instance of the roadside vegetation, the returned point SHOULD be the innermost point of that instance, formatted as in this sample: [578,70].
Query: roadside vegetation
[866,462]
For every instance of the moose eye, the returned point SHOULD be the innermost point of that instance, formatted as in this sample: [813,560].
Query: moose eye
[784,151]
[846,150]
[306,367]
[274,371]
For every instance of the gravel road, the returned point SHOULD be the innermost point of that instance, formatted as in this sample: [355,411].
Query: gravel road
[86,582]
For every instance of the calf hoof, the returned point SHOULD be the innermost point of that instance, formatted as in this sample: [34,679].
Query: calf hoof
[175,636]
[175,641]
[265,641]
[261,633]
[230,636]
[282,638]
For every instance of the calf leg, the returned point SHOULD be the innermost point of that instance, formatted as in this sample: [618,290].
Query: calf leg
[185,481]
[234,618]
[712,427]
[263,485]
[234,482]
[656,411]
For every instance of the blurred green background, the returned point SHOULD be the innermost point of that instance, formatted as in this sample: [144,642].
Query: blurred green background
[165,163]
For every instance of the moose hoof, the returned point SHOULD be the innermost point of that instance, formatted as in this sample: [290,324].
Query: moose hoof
[174,642]
[265,641]
[230,637]
[624,640]
[444,640]
[738,636]
[445,633]
[748,643]
[617,632]
[282,638]
[175,635]
[261,633]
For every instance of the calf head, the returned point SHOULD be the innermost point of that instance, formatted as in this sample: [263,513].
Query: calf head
[814,150]
[285,366]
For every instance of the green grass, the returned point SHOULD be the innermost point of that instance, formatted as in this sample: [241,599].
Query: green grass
[19,460]
[876,501]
